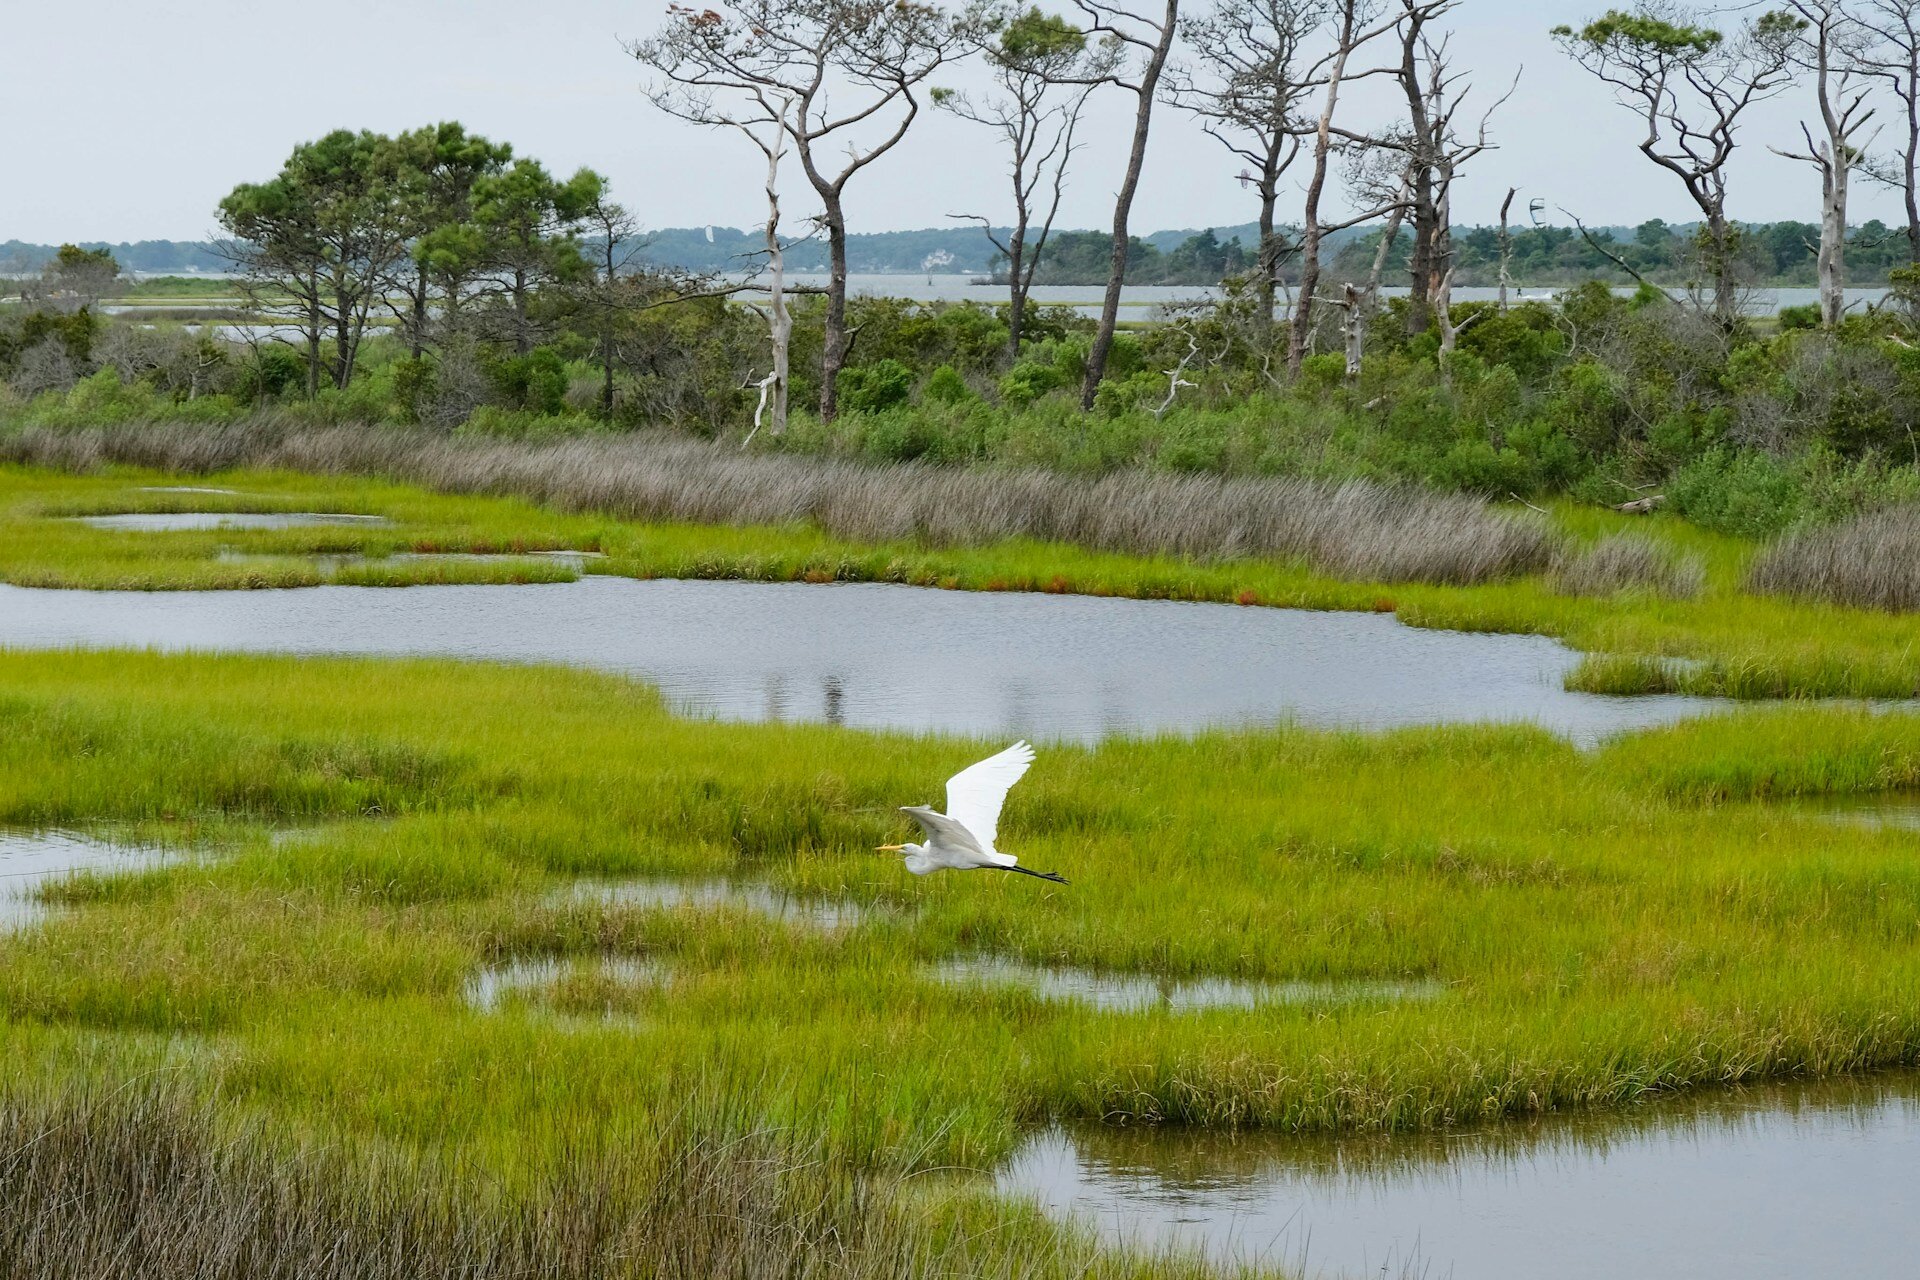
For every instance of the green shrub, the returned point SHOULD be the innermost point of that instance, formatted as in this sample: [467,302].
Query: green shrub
[881,384]
[946,386]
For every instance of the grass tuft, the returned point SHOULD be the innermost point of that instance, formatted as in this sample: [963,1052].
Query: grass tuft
[1871,561]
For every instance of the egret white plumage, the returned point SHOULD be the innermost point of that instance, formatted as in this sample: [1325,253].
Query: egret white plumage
[961,839]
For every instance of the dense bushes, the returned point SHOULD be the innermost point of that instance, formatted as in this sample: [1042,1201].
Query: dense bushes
[1605,397]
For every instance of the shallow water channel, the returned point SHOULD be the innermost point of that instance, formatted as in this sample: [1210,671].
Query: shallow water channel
[173,521]
[1750,1184]
[30,858]
[894,657]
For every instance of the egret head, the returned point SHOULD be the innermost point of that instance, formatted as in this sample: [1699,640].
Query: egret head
[915,856]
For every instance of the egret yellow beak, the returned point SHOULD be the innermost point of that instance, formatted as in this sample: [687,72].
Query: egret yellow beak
[889,848]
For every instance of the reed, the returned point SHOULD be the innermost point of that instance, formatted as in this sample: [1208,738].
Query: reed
[1627,562]
[1355,530]
[148,1183]
[1871,561]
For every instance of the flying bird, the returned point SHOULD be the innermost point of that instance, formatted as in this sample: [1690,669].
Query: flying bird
[961,839]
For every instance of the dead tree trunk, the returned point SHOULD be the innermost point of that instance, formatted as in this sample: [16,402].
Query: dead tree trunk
[1145,90]
[1361,303]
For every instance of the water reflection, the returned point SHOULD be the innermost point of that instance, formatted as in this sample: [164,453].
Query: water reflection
[30,859]
[171,521]
[1804,1180]
[533,976]
[1899,811]
[987,664]
[759,899]
[1133,993]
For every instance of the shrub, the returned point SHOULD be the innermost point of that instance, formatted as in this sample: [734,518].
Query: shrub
[946,386]
[881,384]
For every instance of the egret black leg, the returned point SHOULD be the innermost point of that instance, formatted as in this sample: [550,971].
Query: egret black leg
[1038,875]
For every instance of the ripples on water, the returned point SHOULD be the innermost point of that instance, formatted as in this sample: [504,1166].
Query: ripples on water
[894,657]
[1809,1180]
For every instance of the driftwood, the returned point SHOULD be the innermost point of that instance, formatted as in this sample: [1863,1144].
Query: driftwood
[1641,506]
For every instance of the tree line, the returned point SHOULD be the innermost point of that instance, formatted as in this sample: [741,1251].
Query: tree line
[1272,81]
[479,254]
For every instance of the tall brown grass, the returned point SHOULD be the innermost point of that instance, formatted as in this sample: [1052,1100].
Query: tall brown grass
[1626,562]
[146,1186]
[1872,561]
[1353,530]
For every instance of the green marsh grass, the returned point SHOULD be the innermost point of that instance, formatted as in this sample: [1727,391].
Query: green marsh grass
[1718,639]
[261,1060]
[1591,928]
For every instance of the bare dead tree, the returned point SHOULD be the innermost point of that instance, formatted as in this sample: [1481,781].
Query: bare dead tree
[1360,302]
[1421,76]
[1044,71]
[1355,25]
[1246,85]
[1892,53]
[758,112]
[773,388]
[1435,151]
[1151,40]
[1689,84]
[842,65]
[1829,50]
[1506,246]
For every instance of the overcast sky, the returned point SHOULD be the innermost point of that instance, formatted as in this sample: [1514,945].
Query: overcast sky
[129,119]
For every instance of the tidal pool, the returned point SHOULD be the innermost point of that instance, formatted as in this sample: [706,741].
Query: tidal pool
[1134,993]
[1788,1181]
[489,988]
[31,858]
[170,521]
[759,899]
[894,657]
[1899,811]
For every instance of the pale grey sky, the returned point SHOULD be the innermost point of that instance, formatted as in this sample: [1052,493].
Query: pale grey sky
[129,119]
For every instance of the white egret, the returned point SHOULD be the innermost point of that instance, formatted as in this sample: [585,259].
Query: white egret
[961,839]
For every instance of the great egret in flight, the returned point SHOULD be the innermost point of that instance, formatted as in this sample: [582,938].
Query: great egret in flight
[961,839]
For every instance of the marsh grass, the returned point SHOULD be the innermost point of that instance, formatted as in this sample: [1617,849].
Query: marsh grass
[1871,561]
[1723,642]
[147,1184]
[1586,929]
[1626,562]
[1356,530]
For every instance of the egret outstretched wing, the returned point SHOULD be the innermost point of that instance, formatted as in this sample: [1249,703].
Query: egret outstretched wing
[976,794]
[950,844]
[942,829]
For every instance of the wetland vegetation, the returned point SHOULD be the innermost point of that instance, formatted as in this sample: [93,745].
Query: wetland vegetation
[317,963]
[286,1017]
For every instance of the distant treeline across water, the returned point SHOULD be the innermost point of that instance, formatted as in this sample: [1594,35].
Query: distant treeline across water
[1773,253]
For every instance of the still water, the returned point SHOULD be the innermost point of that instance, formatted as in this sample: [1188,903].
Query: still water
[893,657]
[172,521]
[30,858]
[1139,993]
[1752,1184]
